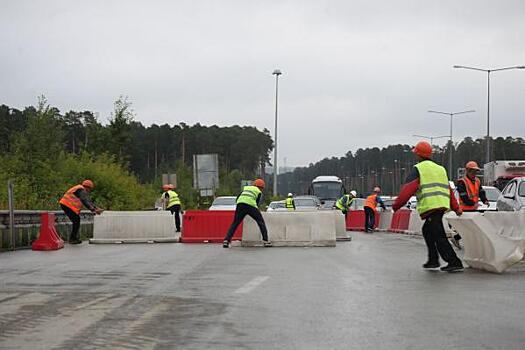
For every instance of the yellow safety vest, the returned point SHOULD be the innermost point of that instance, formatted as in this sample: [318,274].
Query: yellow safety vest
[249,195]
[173,198]
[433,191]
[289,204]
[344,202]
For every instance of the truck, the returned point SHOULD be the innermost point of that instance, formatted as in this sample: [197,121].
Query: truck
[497,173]
[328,189]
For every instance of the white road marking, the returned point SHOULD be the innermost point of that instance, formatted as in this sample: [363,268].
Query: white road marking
[251,285]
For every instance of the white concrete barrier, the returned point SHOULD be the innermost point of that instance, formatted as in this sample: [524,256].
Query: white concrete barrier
[385,219]
[293,229]
[340,227]
[509,224]
[485,248]
[134,227]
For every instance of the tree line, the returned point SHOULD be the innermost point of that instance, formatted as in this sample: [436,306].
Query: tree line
[388,166]
[45,151]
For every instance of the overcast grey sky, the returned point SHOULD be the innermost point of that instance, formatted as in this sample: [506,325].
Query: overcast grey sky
[355,73]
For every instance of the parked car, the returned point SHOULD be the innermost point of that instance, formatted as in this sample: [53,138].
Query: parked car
[513,196]
[305,203]
[492,196]
[223,203]
[357,204]
[276,206]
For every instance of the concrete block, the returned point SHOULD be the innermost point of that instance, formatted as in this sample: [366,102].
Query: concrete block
[134,227]
[340,227]
[485,248]
[294,229]
[385,220]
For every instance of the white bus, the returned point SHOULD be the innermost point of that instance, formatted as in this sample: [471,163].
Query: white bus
[328,189]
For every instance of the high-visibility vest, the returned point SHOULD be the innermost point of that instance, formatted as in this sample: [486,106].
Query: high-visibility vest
[289,203]
[173,198]
[371,201]
[433,191]
[249,196]
[344,202]
[71,201]
[472,192]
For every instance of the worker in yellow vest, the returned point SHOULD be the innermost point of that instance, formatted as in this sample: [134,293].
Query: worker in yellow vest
[172,203]
[345,202]
[72,202]
[429,182]
[248,204]
[289,202]
[370,206]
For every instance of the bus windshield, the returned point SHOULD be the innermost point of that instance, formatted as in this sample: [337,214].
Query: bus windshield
[327,190]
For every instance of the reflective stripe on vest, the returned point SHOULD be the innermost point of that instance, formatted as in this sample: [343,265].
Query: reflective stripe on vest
[289,204]
[371,201]
[249,196]
[70,200]
[472,192]
[433,191]
[173,198]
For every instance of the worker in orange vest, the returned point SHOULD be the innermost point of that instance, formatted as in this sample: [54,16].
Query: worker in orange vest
[470,193]
[71,203]
[370,206]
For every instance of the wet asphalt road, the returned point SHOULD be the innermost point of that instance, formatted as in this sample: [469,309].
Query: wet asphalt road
[370,293]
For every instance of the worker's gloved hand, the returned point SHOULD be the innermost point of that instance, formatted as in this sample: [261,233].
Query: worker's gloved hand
[486,202]
[459,212]
[99,211]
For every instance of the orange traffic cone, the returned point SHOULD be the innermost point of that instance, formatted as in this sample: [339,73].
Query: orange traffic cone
[48,239]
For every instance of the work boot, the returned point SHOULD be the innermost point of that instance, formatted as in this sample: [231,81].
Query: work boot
[267,244]
[431,265]
[453,267]
[75,241]
[226,244]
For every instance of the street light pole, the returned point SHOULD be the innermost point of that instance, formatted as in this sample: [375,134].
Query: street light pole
[452,115]
[276,72]
[488,71]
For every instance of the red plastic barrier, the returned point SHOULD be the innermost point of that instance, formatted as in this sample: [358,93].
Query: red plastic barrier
[208,226]
[400,220]
[48,239]
[355,220]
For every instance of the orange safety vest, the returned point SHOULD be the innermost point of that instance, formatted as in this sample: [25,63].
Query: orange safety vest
[71,201]
[472,192]
[371,201]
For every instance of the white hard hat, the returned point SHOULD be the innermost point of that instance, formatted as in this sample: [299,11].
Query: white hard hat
[353,193]
[290,195]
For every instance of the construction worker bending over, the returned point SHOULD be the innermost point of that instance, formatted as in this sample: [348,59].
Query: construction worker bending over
[370,206]
[289,202]
[429,182]
[172,203]
[71,203]
[345,202]
[470,193]
[247,204]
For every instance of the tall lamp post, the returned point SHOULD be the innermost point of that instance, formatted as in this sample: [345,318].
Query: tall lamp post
[488,71]
[276,72]
[452,115]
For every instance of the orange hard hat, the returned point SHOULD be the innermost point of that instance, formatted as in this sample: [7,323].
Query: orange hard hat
[423,149]
[259,183]
[165,187]
[88,184]
[472,165]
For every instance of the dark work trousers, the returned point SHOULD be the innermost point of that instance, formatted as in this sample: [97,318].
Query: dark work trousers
[175,210]
[436,240]
[75,219]
[241,211]
[370,218]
